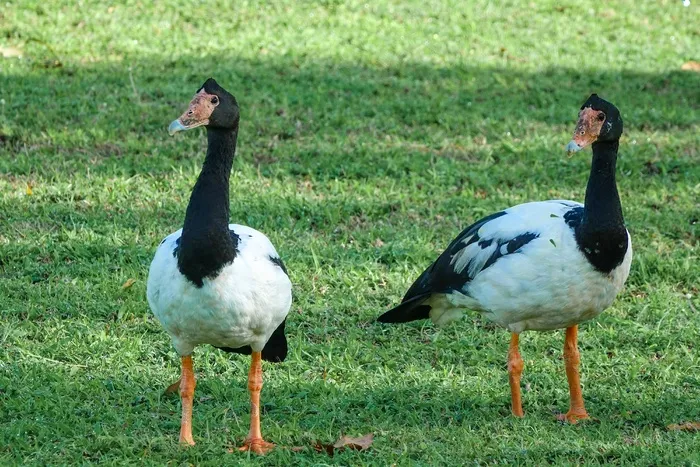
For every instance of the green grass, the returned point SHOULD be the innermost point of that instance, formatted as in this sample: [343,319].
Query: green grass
[371,134]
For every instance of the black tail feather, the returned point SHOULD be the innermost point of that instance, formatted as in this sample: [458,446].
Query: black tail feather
[275,350]
[410,310]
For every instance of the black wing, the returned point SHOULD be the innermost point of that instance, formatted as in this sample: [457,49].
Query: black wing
[278,261]
[443,277]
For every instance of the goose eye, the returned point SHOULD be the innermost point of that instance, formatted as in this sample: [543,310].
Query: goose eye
[214,100]
[601,117]
[190,112]
[582,132]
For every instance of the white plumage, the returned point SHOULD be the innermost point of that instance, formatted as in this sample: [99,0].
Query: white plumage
[242,305]
[217,283]
[538,266]
[546,284]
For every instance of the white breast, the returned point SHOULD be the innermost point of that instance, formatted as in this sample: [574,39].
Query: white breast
[241,306]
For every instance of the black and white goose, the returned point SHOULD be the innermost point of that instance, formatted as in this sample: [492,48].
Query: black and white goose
[538,266]
[217,283]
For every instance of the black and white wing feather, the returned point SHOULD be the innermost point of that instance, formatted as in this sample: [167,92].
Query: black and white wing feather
[532,229]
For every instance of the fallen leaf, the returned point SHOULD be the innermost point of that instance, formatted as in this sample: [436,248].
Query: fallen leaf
[10,52]
[359,444]
[685,426]
[378,243]
[29,189]
[327,448]
[128,283]
[691,66]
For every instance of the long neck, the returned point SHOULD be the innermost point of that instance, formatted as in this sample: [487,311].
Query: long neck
[601,235]
[206,244]
[603,209]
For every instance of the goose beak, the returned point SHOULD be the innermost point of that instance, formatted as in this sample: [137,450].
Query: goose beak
[176,126]
[587,131]
[197,114]
[570,148]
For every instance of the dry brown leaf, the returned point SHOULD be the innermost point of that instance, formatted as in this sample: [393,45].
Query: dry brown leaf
[378,243]
[327,448]
[10,52]
[128,283]
[685,426]
[691,66]
[481,194]
[359,444]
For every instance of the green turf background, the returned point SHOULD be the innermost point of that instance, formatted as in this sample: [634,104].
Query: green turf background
[371,133]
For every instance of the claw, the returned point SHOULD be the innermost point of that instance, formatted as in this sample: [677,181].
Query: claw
[185,442]
[257,445]
[573,417]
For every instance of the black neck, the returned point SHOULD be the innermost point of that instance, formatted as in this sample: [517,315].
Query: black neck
[206,244]
[603,208]
[602,235]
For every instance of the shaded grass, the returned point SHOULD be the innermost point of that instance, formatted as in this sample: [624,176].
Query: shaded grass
[371,134]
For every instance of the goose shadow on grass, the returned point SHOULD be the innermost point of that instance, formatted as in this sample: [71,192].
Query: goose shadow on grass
[85,110]
[59,403]
[89,111]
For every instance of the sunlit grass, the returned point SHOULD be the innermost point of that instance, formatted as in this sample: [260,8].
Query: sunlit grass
[371,134]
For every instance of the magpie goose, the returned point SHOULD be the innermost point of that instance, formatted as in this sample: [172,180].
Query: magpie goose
[538,266]
[217,283]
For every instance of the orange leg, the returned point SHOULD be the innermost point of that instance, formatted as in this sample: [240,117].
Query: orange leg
[515,369]
[572,358]
[254,441]
[187,385]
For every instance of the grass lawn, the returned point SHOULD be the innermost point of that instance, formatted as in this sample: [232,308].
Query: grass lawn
[371,134]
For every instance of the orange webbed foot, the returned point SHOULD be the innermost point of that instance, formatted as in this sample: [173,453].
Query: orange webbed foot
[256,445]
[186,442]
[573,416]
